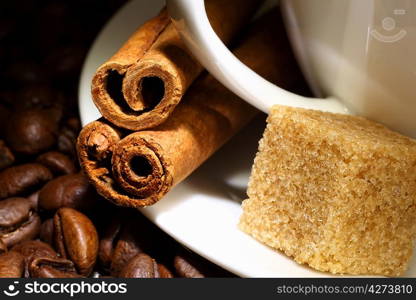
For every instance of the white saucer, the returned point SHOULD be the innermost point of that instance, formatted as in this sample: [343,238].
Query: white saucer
[202,212]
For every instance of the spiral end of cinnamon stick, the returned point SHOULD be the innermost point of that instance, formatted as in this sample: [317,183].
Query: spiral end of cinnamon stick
[151,91]
[140,171]
[139,98]
[127,172]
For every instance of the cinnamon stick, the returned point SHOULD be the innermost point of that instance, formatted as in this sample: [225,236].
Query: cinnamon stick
[138,169]
[141,84]
[106,84]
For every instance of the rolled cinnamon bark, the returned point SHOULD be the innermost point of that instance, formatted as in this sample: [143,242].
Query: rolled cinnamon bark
[106,84]
[139,168]
[142,83]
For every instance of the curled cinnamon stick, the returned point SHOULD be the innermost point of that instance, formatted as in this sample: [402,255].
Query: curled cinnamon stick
[106,85]
[145,165]
[142,83]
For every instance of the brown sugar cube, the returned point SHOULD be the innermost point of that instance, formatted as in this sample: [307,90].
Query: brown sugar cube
[335,192]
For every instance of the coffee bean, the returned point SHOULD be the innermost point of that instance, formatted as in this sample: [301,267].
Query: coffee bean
[67,140]
[31,250]
[140,266]
[6,156]
[121,240]
[164,272]
[45,267]
[14,211]
[18,221]
[57,162]
[76,238]
[73,124]
[3,247]
[18,180]
[184,267]
[38,96]
[71,190]
[127,247]
[12,265]
[108,242]
[34,199]
[32,131]
[40,260]
[46,231]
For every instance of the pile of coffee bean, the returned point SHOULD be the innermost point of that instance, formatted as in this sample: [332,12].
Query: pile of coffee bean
[52,221]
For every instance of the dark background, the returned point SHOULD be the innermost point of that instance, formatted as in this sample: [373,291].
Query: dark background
[44,43]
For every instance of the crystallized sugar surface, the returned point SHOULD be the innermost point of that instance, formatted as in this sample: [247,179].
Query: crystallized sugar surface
[335,192]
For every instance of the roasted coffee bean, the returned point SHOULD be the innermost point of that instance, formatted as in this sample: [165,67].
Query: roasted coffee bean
[120,241]
[18,180]
[18,221]
[71,190]
[76,238]
[108,242]
[12,265]
[32,131]
[140,266]
[38,96]
[185,268]
[3,247]
[6,156]
[46,231]
[164,272]
[34,249]
[67,140]
[45,267]
[34,199]
[73,124]
[127,247]
[57,162]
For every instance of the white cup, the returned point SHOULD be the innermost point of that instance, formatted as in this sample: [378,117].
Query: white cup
[359,56]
